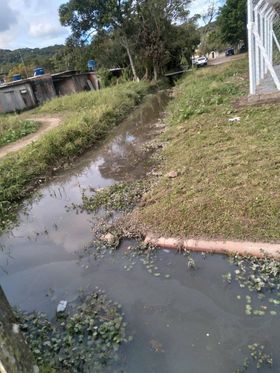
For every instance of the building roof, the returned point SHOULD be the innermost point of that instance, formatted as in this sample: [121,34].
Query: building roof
[25,81]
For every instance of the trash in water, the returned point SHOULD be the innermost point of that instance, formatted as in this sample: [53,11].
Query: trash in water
[61,306]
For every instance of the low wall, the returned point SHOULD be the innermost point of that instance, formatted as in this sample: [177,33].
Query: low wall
[15,356]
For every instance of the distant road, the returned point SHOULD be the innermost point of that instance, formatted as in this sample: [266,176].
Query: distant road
[224,59]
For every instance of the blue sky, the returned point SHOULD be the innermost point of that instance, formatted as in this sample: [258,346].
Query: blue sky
[35,23]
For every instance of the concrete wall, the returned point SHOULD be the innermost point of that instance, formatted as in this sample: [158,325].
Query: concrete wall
[66,85]
[17,97]
[43,88]
[15,356]
[28,93]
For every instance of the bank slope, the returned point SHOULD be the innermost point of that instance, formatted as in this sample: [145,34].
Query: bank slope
[228,171]
[88,117]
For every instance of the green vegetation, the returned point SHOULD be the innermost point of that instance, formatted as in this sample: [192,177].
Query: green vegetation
[118,197]
[232,22]
[11,61]
[13,128]
[85,340]
[150,37]
[257,358]
[88,118]
[258,277]
[228,182]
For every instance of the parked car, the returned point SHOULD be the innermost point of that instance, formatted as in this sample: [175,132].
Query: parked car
[229,52]
[201,61]
[243,49]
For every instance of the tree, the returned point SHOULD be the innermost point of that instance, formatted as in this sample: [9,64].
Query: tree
[144,29]
[87,18]
[232,22]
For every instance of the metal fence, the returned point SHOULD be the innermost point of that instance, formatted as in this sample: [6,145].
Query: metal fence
[264,46]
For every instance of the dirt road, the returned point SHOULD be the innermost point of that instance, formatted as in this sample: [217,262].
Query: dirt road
[224,59]
[48,123]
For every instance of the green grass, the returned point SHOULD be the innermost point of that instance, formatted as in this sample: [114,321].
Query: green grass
[229,182]
[12,128]
[89,116]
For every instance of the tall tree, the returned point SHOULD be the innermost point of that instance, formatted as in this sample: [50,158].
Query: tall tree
[90,17]
[145,29]
[232,21]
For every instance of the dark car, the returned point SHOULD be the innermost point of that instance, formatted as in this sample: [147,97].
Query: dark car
[243,49]
[229,52]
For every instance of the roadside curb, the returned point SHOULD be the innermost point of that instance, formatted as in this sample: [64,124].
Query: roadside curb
[244,248]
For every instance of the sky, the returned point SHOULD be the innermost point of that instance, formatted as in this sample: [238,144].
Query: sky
[35,23]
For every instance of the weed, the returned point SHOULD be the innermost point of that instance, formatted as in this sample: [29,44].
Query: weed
[89,117]
[12,128]
[84,341]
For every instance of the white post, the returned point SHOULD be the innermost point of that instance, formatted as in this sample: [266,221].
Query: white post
[262,13]
[276,40]
[257,51]
[251,51]
[267,61]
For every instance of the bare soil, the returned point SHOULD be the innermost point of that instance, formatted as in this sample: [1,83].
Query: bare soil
[48,123]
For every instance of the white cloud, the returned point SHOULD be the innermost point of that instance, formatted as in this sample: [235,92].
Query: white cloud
[7,17]
[31,23]
[43,30]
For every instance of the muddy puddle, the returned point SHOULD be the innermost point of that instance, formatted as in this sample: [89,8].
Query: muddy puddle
[182,319]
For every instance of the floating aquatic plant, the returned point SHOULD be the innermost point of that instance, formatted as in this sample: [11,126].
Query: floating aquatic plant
[85,340]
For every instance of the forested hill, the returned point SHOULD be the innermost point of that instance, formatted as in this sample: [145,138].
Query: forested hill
[35,56]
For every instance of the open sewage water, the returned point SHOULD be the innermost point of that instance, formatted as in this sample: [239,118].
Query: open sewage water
[182,320]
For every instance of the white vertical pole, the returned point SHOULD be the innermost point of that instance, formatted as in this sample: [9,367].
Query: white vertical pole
[266,39]
[272,32]
[262,39]
[257,51]
[262,13]
[250,25]
[276,40]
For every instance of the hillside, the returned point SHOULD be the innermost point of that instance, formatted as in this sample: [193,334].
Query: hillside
[35,56]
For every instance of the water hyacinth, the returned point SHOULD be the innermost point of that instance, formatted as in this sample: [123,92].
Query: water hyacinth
[258,276]
[257,358]
[85,340]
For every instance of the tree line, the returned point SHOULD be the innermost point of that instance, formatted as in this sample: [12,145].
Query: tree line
[144,37]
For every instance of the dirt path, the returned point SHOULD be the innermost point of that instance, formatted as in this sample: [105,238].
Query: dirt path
[48,123]
[224,59]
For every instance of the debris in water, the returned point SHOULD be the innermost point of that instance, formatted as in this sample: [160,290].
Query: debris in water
[61,307]
[109,238]
[156,345]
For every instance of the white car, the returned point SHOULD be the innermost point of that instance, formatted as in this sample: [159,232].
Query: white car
[201,61]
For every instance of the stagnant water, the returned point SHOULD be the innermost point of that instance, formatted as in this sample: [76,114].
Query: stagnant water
[182,320]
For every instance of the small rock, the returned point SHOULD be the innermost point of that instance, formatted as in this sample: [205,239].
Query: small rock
[61,307]
[172,174]
[235,119]
[109,238]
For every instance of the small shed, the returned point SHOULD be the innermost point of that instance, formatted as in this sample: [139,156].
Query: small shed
[17,96]
[71,81]
[43,88]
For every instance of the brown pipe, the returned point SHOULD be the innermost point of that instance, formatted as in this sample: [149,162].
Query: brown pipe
[244,248]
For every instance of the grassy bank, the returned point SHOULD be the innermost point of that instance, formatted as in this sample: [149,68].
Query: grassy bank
[89,116]
[12,128]
[228,182]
